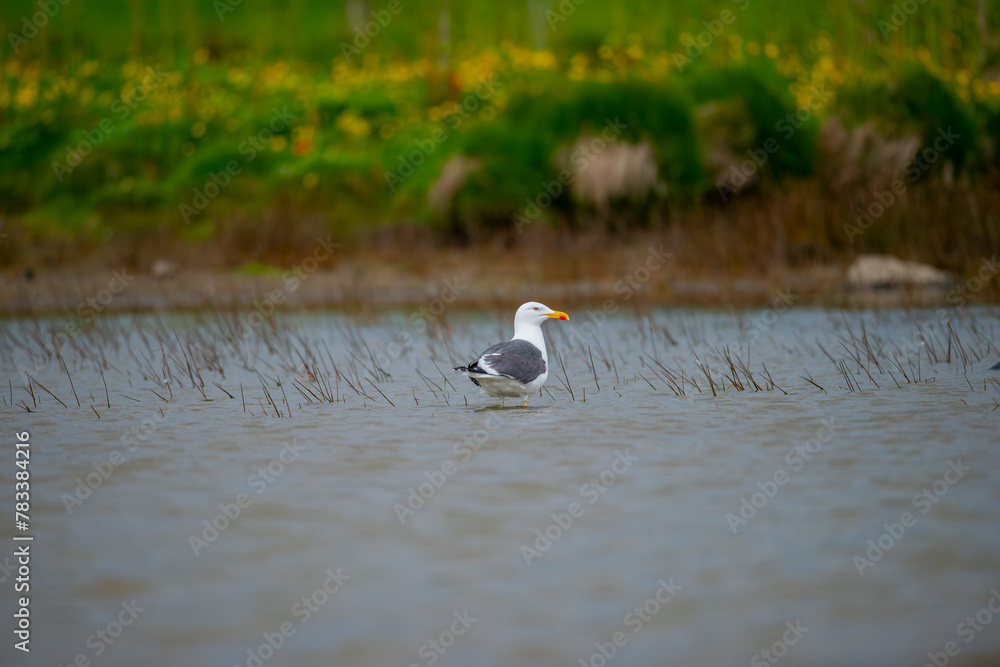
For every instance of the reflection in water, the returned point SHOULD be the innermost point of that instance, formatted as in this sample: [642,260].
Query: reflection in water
[316,494]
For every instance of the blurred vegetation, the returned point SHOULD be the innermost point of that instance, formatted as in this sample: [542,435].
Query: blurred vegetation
[122,117]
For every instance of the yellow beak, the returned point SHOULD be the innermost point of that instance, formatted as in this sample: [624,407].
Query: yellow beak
[556,315]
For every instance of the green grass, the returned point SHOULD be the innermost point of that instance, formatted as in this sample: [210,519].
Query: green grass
[353,124]
[312,30]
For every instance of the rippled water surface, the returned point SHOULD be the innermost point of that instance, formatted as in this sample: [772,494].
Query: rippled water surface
[650,524]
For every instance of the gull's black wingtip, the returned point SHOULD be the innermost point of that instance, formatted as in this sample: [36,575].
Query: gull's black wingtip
[995,368]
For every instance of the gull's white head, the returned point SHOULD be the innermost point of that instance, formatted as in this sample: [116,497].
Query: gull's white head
[536,313]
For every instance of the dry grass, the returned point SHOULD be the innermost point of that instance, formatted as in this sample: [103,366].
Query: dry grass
[776,235]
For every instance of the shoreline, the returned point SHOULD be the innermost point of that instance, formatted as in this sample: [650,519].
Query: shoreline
[358,287]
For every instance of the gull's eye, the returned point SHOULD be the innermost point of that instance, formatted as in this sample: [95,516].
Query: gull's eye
[535,308]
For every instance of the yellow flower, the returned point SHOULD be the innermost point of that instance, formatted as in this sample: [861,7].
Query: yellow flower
[303,133]
[200,56]
[544,60]
[735,47]
[771,50]
[238,77]
[310,180]
[353,125]
[26,96]
[753,48]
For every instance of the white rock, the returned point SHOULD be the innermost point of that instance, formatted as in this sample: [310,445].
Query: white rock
[620,170]
[163,269]
[886,271]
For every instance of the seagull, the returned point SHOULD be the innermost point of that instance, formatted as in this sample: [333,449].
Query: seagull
[520,366]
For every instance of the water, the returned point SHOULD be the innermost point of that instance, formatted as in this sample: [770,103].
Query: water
[636,493]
